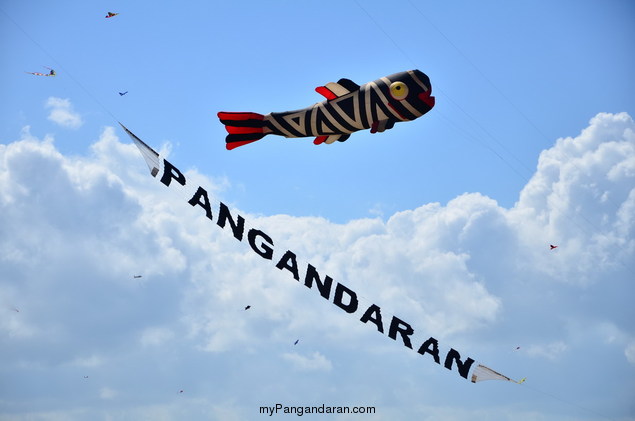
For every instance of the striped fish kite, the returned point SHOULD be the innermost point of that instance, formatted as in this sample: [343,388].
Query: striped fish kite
[376,105]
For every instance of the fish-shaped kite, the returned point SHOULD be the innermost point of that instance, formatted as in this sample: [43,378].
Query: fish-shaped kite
[111,15]
[376,105]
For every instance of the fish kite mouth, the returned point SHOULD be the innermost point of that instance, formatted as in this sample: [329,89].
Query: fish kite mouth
[427,99]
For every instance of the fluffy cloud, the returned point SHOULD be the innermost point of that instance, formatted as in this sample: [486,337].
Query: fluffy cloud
[475,275]
[630,353]
[315,361]
[107,393]
[550,351]
[62,113]
[582,198]
[154,336]
[92,361]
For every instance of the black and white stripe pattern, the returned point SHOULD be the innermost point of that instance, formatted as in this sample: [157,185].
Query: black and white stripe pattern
[356,110]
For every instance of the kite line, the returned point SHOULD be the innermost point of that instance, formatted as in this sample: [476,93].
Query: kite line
[60,66]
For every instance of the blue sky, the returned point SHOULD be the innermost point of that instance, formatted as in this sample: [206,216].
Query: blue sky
[444,221]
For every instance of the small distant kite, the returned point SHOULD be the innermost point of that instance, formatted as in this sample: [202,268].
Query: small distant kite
[247,308]
[111,14]
[137,276]
[85,377]
[15,309]
[50,73]
[348,108]
[180,391]
[123,93]
[296,342]
[552,247]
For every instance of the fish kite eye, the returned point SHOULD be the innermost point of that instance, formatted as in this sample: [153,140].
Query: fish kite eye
[398,90]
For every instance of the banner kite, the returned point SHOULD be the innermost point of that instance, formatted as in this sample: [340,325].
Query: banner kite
[263,245]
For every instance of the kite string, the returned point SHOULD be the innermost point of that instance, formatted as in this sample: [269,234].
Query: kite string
[568,402]
[491,149]
[569,158]
[59,65]
[480,72]
[474,120]
[591,224]
[505,97]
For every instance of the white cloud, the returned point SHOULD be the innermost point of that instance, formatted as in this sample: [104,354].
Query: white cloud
[89,362]
[74,231]
[581,198]
[315,361]
[62,113]
[154,336]
[107,393]
[550,351]
[630,353]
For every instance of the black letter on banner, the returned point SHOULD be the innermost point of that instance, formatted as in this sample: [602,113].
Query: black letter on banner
[351,307]
[425,347]
[313,275]
[238,228]
[264,249]
[405,331]
[464,367]
[293,268]
[196,200]
[368,316]
[171,172]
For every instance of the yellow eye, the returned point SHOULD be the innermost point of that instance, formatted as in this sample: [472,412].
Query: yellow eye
[398,90]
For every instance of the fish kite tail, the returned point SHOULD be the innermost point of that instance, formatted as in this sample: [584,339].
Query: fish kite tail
[243,128]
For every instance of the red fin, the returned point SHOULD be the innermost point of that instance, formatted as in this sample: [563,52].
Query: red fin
[233,145]
[325,92]
[240,116]
[319,140]
[235,140]
[243,130]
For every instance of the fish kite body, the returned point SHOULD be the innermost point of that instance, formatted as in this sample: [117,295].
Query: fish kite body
[111,15]
[348,108]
